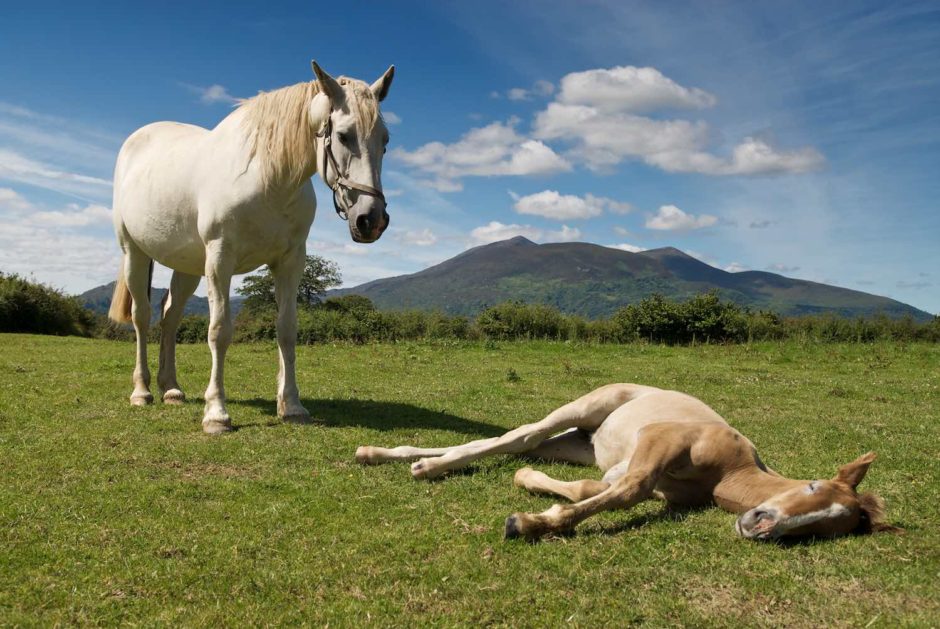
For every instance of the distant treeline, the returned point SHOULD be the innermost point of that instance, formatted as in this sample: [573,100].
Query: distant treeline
[29,307]
[702,319]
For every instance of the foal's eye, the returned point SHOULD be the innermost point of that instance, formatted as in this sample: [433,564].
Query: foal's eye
[812,487]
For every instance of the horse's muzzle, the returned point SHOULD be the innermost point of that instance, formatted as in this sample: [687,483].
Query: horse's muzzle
[369,226]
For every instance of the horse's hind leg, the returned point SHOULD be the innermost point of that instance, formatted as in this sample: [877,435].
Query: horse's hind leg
[137,269]
[182,286]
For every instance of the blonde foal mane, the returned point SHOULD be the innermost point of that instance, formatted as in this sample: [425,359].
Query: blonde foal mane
[280,133]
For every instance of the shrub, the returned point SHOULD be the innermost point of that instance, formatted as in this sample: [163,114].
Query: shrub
[516,320]
[32,307]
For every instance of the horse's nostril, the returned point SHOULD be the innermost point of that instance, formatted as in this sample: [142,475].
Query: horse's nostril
[363,224]
[759,514]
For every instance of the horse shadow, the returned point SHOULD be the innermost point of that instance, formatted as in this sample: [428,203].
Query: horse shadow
[378,415]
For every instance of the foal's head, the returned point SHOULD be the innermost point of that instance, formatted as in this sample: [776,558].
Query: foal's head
[345,114]
[824,508]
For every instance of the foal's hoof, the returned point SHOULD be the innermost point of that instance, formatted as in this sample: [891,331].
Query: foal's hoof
[364,455]
[512,530]
[174,396]
[141,399]
[519,479]
[421,470]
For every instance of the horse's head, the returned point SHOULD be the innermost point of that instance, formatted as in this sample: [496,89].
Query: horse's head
[352,139]
[823,508]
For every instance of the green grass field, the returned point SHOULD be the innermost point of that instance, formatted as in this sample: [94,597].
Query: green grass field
[118,515]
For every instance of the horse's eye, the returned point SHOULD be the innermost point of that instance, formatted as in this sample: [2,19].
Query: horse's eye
[345,137]
[812,487]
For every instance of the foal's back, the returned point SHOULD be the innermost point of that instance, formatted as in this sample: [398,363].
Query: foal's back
[616,439]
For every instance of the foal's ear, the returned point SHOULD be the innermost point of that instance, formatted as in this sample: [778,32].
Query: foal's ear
[383,83]
[852,473]
[328,84]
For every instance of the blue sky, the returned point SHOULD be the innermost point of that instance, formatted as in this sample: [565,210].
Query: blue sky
[798,137]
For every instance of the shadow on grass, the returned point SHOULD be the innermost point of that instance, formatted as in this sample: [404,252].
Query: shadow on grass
[670,514]
[379,415]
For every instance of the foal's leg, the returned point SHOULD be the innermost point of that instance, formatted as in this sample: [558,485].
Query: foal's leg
[287,276]
[573,446]
[219,279]
[658,447]
[137,277]
[182,286]
[587,412]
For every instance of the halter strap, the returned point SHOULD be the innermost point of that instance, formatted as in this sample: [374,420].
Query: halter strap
[341,180]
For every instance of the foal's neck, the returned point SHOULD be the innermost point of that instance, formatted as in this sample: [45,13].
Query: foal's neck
[748,486]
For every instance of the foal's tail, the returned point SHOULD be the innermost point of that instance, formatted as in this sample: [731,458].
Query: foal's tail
[121,301]
[120,310]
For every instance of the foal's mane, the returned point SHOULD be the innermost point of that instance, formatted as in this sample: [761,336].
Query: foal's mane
[280,133]
[873,514]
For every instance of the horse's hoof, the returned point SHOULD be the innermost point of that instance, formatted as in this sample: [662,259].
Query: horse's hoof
[141,399]
[216,426]
[298,418]
[512,528]
[174,396]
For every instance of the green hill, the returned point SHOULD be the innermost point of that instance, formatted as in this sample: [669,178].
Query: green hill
[594,281]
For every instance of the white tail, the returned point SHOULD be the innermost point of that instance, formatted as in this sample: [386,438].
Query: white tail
[120,310]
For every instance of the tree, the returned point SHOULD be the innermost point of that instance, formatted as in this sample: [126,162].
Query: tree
[319,275]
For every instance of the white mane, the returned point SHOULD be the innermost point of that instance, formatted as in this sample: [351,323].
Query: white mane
[280,132]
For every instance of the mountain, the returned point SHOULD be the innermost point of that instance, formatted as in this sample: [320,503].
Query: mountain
[594,281]
[98,300]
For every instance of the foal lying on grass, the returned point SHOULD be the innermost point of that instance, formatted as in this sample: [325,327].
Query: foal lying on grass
[655,443]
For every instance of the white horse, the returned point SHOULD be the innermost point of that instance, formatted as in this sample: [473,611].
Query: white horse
[226,201]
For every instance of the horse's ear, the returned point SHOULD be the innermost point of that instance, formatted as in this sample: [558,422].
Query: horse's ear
[328,84]
[852,473]
[381,86]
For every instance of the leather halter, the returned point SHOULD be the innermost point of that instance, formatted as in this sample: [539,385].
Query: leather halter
[341,181]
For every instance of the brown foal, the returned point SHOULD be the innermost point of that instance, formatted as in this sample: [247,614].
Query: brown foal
[653,443]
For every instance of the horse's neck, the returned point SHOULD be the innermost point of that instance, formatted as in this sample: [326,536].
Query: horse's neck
[748,486]
[238,138]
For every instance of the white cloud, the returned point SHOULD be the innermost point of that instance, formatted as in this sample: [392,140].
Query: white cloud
[782,268]
[518,93]
[213,94]
[736,267]
[671,218]
[496,149]
[11,199]
[539,88]
[597,111]
[74,216]
[21,169]
[561,207]
[495,231]
[391,117]
[421,238]
[622,231]
[628,88]
[628,247]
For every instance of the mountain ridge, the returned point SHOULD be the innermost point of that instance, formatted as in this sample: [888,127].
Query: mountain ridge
[594,281]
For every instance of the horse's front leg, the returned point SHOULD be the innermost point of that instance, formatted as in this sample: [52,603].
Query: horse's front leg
[219,279]
[287,276]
